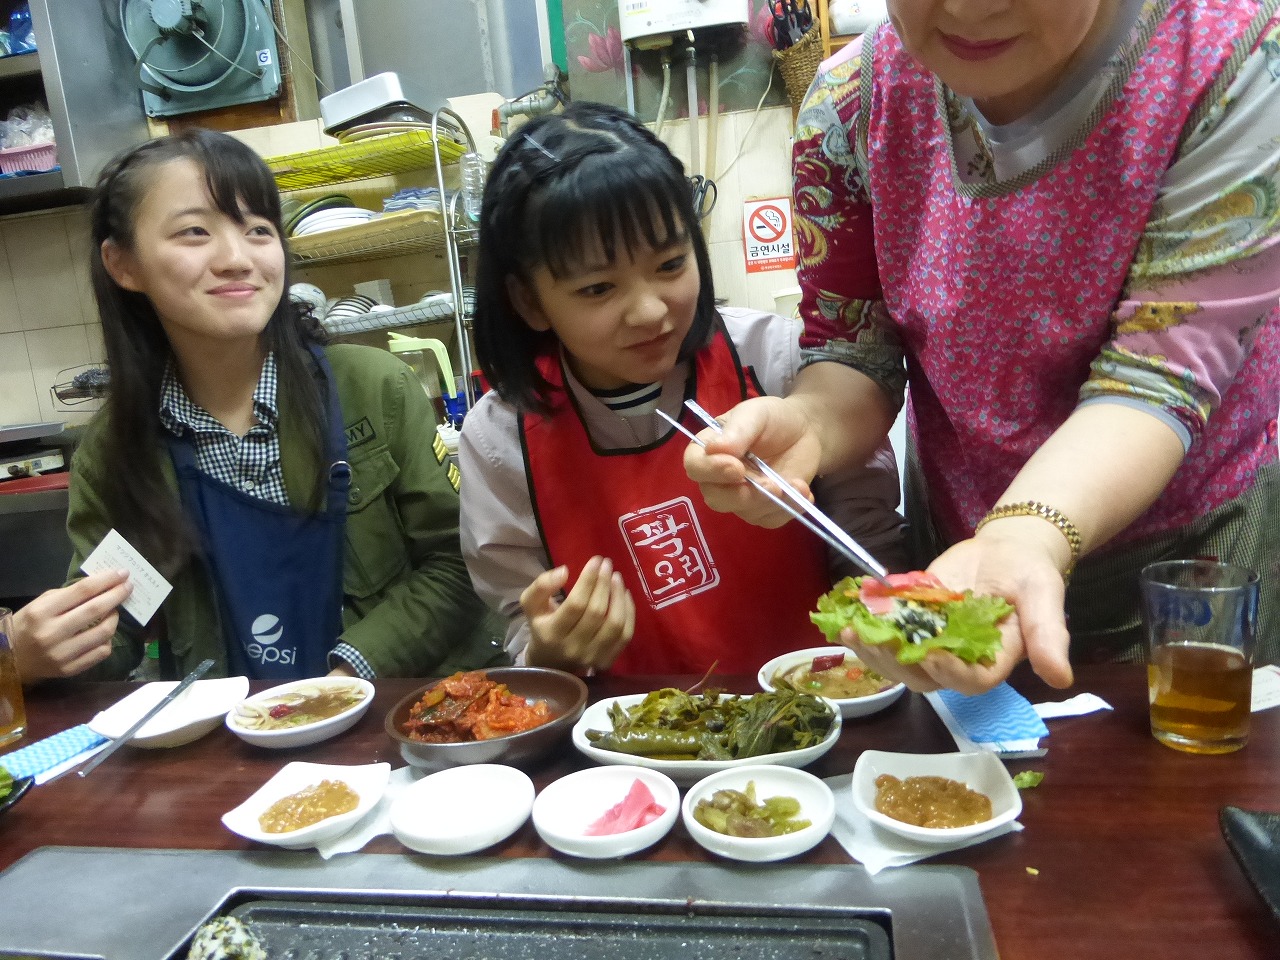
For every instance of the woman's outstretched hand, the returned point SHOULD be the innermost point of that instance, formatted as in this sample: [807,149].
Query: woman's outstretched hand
[586,630]
[1035,631]
[66,631]
[774,429]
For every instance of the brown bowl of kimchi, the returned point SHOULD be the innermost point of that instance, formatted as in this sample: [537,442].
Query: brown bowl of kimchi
[512,715]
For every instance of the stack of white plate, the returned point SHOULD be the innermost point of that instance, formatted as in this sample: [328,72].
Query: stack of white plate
[372,131]
[348,307]
[332,219]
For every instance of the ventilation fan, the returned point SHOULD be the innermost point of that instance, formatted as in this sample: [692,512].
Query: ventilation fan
[201,54]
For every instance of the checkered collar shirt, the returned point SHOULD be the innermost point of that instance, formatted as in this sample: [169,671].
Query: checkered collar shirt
[250,464]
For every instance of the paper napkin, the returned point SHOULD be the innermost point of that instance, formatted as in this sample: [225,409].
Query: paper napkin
[149,588]
[377,821]
[876,849]
[1076,706]
[47,758]
[1266,688]
[1001,720]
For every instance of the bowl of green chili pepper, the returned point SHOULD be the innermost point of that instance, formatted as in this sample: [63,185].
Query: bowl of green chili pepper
[689,736]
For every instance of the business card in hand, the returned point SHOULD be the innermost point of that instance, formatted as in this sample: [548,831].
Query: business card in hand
[149,588]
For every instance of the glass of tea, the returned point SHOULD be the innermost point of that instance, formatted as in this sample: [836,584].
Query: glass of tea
[1201,617]
[13,715]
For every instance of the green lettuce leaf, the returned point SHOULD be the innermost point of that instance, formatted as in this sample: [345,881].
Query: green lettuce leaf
[6,783]
[1027,779]
[971,631]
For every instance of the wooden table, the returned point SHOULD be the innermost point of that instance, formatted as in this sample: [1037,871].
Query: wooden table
[1122,836]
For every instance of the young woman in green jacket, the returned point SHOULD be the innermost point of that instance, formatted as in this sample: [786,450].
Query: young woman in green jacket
[289,490]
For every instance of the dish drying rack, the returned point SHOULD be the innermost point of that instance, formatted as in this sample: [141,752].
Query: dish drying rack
[447,229]
[386,236]
[428,310]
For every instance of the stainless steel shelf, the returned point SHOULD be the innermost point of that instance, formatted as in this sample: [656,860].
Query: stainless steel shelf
[20,65]
[38,191]
[446,232]
[427,311]
[393,235]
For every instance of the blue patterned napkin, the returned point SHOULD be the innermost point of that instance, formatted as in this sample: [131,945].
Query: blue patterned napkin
[43,755]
[1000,720]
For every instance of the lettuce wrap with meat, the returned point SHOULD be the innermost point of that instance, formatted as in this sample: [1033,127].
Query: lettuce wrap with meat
[918,613]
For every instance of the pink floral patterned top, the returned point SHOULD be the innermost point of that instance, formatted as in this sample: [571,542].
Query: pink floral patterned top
[1119,245]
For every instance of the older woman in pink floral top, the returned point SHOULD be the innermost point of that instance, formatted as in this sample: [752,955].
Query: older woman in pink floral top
[1059,224]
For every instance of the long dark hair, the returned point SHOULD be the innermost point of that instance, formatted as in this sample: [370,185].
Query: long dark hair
[139,503]
[562,186]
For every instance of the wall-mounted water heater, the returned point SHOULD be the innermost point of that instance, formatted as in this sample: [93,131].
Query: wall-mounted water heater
[638,19]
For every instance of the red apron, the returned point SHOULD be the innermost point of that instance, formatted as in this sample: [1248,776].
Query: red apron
[708,587]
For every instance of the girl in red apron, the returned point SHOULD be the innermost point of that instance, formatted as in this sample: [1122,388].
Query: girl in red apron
[595,308]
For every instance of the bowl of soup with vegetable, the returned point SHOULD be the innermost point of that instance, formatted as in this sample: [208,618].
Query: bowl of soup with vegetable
[302,712]
[834,674]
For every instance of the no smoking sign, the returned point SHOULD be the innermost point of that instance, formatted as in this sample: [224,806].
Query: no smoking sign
[766,235]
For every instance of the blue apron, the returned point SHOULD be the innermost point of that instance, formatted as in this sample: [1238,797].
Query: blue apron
[277,571]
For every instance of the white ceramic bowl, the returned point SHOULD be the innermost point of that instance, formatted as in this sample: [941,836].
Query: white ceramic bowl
[191,714]
[849,706]
[566,807]
[310,293]
[596,717]
[817,804]
[980,771]
[310,733]
[462,809]
[369,782]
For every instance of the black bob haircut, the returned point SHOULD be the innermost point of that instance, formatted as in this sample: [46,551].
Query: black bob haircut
[563,186]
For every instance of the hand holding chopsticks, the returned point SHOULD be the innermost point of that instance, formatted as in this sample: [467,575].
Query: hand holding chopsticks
[798,506]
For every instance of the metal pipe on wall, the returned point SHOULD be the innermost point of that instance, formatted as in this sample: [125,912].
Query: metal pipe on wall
[691,81]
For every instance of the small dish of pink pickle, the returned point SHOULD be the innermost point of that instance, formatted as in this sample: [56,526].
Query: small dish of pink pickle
[626,816]
[633,811]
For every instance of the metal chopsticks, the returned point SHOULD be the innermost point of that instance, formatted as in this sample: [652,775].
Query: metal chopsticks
[201,669]
[824,528]
[850,547]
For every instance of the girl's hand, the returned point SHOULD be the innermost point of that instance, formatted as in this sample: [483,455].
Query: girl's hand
[589,628]
[774,429]
[1025,575]
[66,631]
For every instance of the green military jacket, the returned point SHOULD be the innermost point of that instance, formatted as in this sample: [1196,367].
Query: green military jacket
[408,604]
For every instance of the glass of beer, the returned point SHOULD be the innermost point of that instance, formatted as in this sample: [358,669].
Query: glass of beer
[1201,617]
[13,715]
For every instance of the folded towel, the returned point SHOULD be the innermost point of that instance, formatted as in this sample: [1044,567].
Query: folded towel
[44,755]
[1000,720]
